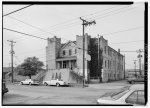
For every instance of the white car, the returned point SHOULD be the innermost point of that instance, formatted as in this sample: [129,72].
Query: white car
[57,82]
[133,95]
[30,82]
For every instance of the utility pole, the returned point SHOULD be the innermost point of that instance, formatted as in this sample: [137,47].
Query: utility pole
[98,55]
[12,52]
[135,68]
[139,56]
[84,24]
[124,68]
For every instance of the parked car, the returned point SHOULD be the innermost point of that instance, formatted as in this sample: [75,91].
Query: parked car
[133,95]
[5,90]
[135,80]
[57,82]
[30,82]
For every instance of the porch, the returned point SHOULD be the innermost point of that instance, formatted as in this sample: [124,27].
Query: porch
[66,62]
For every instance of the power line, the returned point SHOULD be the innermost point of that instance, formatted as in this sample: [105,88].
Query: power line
[99,11]
[24,33]
[17,10]
[86,15]
[130,29]
[76,18]
[46,39]
[107,14]
[31,25]
[57,24]
[32,51]
[66,39]
[127,42]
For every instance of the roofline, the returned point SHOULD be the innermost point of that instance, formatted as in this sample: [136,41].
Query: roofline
[67,43]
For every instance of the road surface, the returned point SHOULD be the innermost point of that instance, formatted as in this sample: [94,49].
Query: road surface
[51,95]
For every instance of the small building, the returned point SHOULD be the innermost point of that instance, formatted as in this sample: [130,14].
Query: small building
[65,61]
[134,73]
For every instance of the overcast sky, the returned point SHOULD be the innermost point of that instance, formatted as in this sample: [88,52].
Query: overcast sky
[121,25]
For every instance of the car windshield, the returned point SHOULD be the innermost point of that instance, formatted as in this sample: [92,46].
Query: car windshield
[119,94]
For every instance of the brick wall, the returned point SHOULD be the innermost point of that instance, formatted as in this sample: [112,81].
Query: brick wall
[52,52]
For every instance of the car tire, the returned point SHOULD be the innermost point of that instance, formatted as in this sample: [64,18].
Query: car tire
[29,83]
[21,83]
[57,84]
[45,84]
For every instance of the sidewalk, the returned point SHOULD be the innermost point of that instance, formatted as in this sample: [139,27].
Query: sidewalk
[110,85]
[106,87]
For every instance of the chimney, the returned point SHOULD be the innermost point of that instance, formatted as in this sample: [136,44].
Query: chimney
[118,50]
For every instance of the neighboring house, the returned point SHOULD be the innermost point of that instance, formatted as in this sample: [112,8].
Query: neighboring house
[65,61]
[8,77]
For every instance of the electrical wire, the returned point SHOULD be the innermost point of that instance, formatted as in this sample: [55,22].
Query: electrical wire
[54,25]
[130,29]
[17,10]
[31,25]
[127,42]
[24,33]
[112,12]
[66,39]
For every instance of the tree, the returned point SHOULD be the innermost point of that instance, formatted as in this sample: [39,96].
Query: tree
[30,66]
[95,68]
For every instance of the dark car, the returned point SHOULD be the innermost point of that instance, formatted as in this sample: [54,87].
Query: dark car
[135,80]
[5,90]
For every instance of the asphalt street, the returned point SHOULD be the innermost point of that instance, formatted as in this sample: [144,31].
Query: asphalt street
[51,95]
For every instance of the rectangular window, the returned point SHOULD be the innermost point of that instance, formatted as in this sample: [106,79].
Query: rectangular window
[64,64]
[70,52]
[64,52]
[105,49]
[108,50]
[75,51]
[108,64]
[105,63]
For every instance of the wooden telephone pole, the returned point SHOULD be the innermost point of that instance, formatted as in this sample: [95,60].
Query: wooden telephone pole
[85,23]
[135,68]
[12,52]
[140,56]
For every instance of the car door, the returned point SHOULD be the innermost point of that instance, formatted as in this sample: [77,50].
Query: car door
[52,82]
[26,81]
[132,98]
[141,98]
[136,98]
